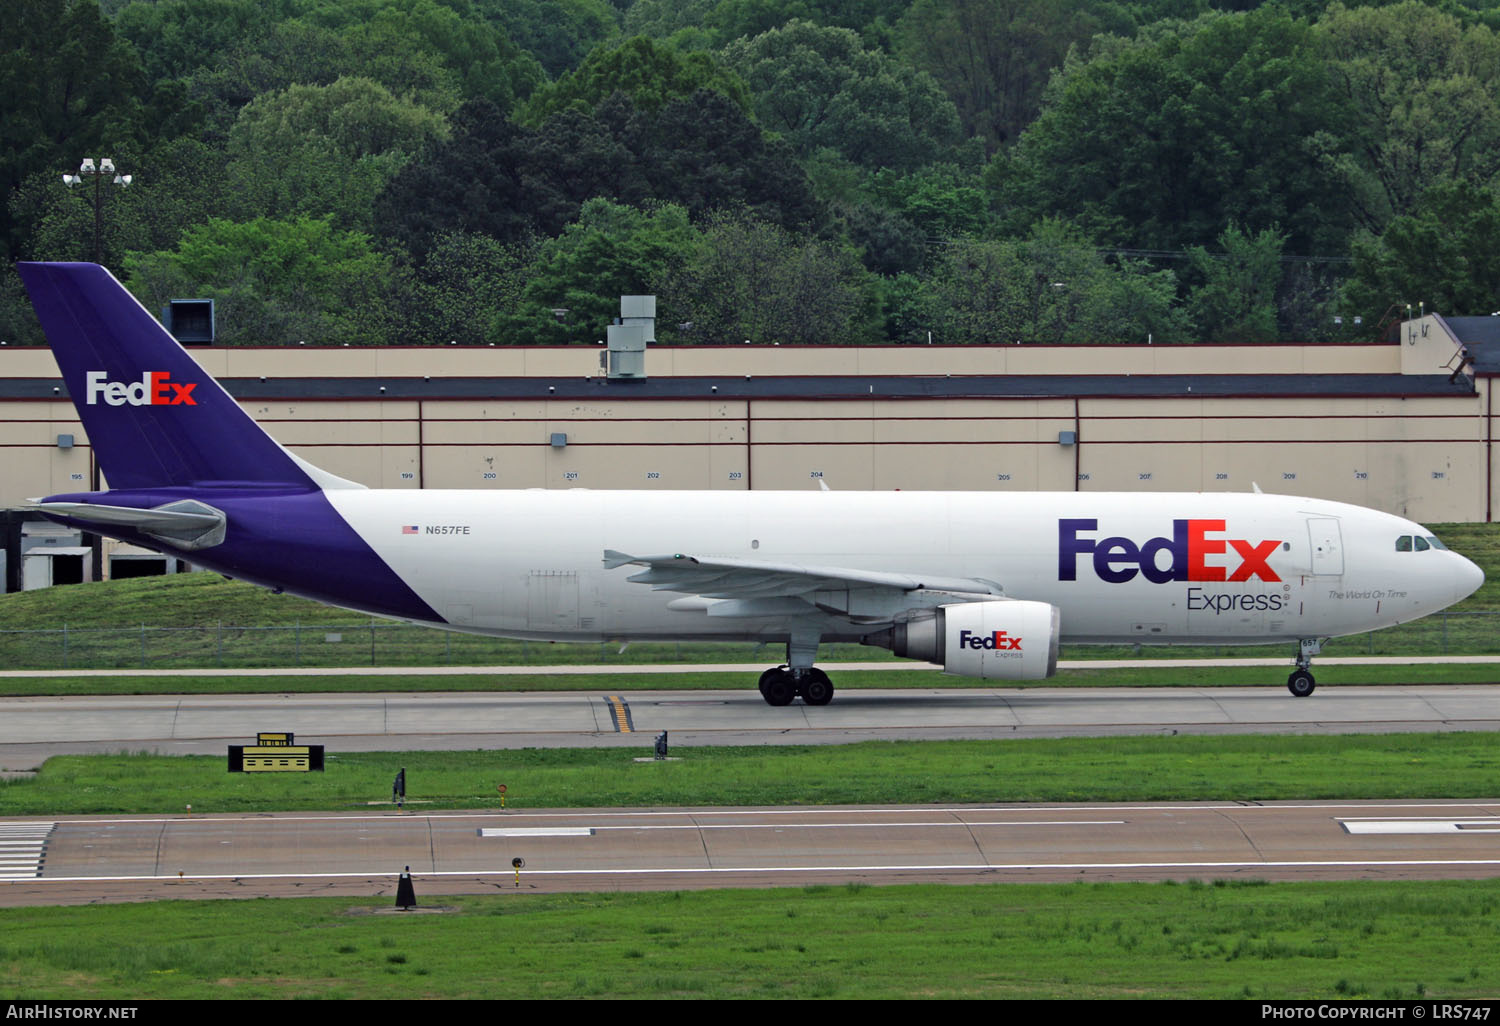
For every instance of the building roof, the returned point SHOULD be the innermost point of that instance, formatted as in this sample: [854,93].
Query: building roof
[1481,339]
[822,387]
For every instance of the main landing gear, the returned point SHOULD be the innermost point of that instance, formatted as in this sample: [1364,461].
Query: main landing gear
[780,684]
[1301,682]
[798,676]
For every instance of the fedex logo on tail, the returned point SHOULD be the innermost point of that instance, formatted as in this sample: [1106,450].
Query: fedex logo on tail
[154,389]
[1193,554]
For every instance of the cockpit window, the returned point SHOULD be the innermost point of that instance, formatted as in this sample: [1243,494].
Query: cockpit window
[1436,544]
[1403,543]
[1422,545]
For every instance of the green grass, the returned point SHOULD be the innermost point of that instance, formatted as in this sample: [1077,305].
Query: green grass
[1225,939]
[844,680]
[205,621]
[1174,768]
[244,630]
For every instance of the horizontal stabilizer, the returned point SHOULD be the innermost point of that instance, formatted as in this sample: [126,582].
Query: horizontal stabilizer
[188,524]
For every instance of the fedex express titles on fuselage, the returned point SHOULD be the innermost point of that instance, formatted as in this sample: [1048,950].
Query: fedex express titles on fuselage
[1118,559]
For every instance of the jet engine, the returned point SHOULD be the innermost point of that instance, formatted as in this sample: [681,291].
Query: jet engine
[1001,640]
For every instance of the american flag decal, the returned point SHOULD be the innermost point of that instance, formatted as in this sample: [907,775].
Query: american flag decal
[408,528]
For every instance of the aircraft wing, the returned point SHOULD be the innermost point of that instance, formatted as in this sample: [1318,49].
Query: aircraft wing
[756,587]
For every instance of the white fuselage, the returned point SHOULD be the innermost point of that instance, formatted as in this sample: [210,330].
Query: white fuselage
[1199,568]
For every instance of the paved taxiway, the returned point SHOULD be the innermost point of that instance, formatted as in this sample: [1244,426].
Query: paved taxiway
[83,859]
[33,728]
[91,859]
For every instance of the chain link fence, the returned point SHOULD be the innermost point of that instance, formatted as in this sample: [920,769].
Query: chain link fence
[1476,632]
[345,645]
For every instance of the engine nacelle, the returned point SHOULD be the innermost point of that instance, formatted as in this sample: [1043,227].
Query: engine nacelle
[1002,640]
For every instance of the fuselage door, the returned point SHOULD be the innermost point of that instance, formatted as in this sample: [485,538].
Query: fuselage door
[553,596]
[1327,546]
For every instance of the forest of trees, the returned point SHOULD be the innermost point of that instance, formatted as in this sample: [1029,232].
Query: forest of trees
[383,172]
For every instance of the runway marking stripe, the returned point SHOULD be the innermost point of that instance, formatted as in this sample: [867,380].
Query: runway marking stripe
[1421,826]
[23,849]
[536,832]
[619,712]
[721,870]
[953,823]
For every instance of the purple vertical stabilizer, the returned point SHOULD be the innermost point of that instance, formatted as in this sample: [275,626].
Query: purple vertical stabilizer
[165,431]
[154,417]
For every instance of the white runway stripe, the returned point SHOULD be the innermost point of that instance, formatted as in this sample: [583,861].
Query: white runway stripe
[23,848]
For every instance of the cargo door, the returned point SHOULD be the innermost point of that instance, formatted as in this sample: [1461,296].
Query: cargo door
[552,600]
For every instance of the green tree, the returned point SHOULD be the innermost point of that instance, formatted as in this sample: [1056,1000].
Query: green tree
[941,200]
[178,37]
[749,279]
[819,87]
[439,54]
[651,75]
[887,242]
[719,22]
[1441,254]
[1162,141]
[472,184]
[1423,95]
[612,250]
[705,153]
[1053,286]
[499,179]
[993,57]
[278,282]
[72,89]
[1236,301]
[317,149]
[466,285]
[558,33]
[228,52]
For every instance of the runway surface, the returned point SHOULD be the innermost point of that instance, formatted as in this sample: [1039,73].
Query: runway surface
[31,729]
[94,859]
[88,859]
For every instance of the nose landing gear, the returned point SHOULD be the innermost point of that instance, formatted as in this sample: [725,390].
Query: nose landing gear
[1301,682]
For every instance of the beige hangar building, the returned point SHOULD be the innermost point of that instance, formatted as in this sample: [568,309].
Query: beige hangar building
[1404,426]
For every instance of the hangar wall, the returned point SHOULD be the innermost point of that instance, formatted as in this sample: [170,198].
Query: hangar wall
[413,418]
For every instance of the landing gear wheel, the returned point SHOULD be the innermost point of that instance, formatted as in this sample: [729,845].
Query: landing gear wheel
[1301,683]
[817,689]
[777,686]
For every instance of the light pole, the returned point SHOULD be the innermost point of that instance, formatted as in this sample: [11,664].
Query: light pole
[87,171]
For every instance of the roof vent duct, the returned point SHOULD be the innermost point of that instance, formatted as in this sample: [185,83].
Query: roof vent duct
[628,337]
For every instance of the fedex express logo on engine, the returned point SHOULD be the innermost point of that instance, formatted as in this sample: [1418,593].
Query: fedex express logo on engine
[997,641]
[1197,551]
[154,389]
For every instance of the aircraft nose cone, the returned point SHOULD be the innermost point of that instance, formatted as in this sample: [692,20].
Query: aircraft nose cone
[1470,577]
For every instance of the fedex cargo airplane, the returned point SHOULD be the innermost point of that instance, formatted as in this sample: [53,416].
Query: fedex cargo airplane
[984,584]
